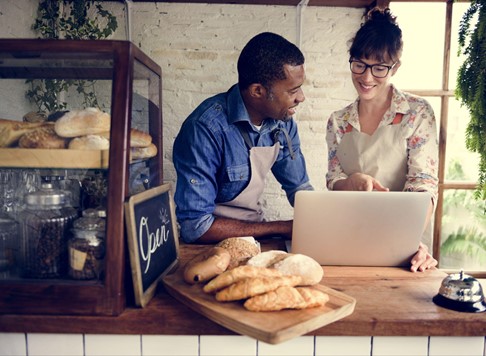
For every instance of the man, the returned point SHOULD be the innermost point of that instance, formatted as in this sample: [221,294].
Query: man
[226,147]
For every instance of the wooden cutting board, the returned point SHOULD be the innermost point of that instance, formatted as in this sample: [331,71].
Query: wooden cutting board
[269,327]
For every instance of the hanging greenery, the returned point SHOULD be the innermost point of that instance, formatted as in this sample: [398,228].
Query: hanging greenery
[68,19]
[471,83]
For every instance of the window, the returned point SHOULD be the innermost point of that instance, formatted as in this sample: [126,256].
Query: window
[429,69]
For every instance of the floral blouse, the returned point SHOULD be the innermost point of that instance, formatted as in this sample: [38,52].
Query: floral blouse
[419,123]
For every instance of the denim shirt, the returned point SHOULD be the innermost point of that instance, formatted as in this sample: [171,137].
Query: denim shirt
[212,160]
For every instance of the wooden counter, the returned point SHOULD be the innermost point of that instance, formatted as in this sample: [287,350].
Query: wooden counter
[389,302]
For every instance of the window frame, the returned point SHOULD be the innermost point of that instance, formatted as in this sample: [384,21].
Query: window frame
[445,95]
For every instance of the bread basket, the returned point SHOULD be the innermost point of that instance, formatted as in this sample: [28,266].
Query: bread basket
[461,292]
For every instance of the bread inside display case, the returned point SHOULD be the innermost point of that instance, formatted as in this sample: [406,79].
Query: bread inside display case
[80,132]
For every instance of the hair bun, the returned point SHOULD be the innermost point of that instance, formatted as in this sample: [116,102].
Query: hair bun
[380,14]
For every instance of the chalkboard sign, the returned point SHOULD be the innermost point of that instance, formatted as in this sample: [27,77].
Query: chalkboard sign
[153,239]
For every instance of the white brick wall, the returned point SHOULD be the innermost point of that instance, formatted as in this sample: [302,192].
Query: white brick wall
[197,46]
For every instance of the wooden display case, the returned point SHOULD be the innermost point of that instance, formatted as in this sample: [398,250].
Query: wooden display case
[129,89]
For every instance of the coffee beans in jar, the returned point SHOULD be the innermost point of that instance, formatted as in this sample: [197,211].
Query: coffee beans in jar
[87,246]
[45,225]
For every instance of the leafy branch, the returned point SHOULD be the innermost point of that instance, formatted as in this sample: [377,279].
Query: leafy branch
[68,19]
[471,83]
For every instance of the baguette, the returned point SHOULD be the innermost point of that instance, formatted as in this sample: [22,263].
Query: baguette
[207,265]
[12,130]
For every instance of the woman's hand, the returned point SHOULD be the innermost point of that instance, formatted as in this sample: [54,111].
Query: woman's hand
[422,260]
[359,181]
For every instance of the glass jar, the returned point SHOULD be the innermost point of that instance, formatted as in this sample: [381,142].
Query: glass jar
[87,246]
[45,225]
[9,248]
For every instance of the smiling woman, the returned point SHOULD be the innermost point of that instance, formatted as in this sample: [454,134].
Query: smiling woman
[460,224]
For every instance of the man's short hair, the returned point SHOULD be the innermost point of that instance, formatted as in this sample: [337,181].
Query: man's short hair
[263,58]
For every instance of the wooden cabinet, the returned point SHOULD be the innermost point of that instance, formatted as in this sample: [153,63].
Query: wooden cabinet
[126,84]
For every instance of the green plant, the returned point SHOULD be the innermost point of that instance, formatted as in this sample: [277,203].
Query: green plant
[471,83]
[461,206]
[68,19]
[466,241]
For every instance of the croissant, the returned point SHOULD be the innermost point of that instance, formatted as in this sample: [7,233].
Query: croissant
[287,298]
[236,274]
[250,287]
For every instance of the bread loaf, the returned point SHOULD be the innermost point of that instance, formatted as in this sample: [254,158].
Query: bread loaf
[137,138]
[35,116]
[82,122]
[290,264]
[206,265]
[241,249]
[137,153]
[89,142]
[12,130]
[250,287]
[43,137]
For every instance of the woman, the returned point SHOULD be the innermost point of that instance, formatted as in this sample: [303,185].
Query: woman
[386,140]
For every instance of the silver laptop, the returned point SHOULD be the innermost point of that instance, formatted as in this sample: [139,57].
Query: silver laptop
[350,228]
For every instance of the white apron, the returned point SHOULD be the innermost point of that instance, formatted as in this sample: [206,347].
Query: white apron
[246,206]
[382,155]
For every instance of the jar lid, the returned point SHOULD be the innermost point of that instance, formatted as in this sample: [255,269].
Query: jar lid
[47,196]
[89,223]
[7,223]
[94,212]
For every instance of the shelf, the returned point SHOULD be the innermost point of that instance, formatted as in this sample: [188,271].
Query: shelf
[53,158]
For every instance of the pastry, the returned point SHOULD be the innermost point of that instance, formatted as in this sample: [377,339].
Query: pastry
[287,298]
[236,274]
[250,287]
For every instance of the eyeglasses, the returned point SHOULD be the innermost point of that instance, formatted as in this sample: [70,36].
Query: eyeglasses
[377,70]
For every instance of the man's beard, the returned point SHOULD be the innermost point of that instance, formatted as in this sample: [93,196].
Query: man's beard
[270,97]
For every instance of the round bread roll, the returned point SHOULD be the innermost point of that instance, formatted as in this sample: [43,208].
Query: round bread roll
[42,137]
[241,249]
[143,152]
[301,265]
[267,258]
[89,142]
[35,116]
[290,264]
[89,121]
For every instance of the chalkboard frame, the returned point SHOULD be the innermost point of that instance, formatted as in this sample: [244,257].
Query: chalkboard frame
[158,194]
